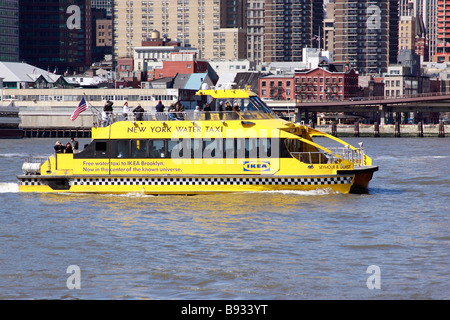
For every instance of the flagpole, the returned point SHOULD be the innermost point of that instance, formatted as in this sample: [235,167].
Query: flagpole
[85,98]
[97,113]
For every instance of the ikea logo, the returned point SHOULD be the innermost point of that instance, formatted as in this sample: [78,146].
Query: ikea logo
[256,165]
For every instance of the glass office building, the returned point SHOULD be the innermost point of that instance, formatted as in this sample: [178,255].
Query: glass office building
[9,30]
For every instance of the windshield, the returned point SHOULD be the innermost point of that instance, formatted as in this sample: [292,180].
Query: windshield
[244,105]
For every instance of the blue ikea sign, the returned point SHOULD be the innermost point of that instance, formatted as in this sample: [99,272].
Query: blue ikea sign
[256,165]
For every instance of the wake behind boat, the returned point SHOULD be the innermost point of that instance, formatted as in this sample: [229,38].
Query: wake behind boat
[237,148]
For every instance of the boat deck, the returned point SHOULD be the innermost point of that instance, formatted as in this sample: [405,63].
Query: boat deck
[186,116]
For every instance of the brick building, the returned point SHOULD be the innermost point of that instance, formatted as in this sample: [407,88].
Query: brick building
[322,83]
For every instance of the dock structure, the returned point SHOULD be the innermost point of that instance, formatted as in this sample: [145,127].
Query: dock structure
[388,130]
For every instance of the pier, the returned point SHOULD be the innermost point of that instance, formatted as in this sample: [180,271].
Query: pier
[387,130]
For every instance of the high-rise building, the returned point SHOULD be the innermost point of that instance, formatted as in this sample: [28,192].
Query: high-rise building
[106,5]
[407,7]
[442,32]
[56,35]
[9,30]
[366,34]
[407,33]
[217,28]
[255,30]
[425,14]
[328,28]
[429,14]
[290,26]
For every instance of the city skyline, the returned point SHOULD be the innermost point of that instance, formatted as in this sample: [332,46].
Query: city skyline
[257,30]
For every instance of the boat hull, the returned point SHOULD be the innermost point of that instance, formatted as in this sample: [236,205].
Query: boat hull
[363,175]
[158,185]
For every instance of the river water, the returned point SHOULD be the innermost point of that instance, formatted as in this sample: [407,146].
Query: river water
[392,243]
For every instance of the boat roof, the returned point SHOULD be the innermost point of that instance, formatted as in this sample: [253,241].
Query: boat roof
[227,93]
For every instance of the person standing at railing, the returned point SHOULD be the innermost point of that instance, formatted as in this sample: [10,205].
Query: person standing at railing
[159,111]
[221,110]
[236,111]
[108,110]
[126,110]
[105,119]
[179,109]
[59,147]
[74,144]
[172,115]
[197,113]
[228,110]
[138,112]
[207,110]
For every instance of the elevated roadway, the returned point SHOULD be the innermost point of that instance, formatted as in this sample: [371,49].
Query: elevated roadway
[427,102]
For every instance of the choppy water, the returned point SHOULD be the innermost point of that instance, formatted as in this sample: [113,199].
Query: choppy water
[270,245]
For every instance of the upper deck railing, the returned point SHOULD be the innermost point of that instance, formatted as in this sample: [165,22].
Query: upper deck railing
[102,121]
[355,156]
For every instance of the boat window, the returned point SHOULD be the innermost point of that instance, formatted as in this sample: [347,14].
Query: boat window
[261,106]
[239,147]
[100,148]
[173,148]
[196,146]
[284,152]
[123,149]
[251,147]
[95,149]
[213,148]
[294,145]
[229,147]
[157,148]
[265,148]
[139,148]
[305,152]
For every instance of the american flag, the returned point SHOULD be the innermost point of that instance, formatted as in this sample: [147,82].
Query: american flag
[82,106]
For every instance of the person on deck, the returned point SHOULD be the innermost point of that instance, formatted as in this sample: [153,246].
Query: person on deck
[69,148]
[59,147]
[159,111]
[172,114]
[139,112]
[126,110]
[74,144]
[179,108]
[108,110]
[207,110]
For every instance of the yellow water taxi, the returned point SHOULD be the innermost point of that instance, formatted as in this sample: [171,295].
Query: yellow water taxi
[214,150]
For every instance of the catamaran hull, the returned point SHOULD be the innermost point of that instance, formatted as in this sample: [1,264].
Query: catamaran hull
[157,185]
